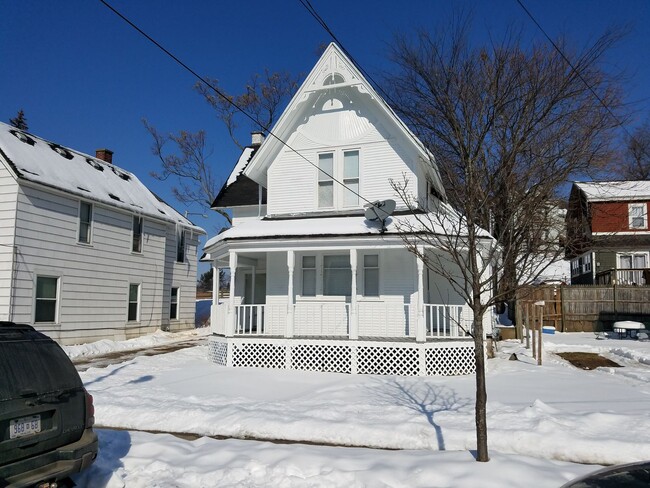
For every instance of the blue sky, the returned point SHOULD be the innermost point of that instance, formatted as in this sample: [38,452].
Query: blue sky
[86,79]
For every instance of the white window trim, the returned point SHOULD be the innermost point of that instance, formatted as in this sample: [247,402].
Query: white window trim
[128,302]
[338,197]
[178,303]
[57,307]
[644,209]
[141,234]
[91,226]
[619,255]
[363,276]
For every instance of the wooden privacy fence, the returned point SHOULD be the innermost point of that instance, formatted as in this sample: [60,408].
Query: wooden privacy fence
[585,308]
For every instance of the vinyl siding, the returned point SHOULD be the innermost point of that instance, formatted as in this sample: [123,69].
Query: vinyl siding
[8,195]
[292,181]
[95,278]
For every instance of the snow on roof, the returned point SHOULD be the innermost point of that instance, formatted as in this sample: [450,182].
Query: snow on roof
[334,227]
[596,191]
[39,161]
[241,164]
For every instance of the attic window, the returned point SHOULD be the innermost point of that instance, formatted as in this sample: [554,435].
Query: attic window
[114,197]
[61,150]
[95,164]
[83,189]
[124,176]
[333,79]
[23,137]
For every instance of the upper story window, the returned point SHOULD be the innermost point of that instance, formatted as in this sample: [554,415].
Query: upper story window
[638,216]
[136,244]
[85,222]
[180,246]
[344,167]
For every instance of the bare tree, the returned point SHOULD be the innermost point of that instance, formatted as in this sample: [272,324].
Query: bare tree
[263,98]
[636,162]
[188,163]
[506,127]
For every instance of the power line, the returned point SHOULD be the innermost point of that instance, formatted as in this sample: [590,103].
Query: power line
[226,98]
[579,74]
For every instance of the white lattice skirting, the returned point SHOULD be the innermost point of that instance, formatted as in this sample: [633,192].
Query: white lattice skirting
[445,358]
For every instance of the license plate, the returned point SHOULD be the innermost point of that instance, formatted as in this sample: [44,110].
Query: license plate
[24,426]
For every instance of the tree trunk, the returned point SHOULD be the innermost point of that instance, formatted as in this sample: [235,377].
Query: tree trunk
[481,392]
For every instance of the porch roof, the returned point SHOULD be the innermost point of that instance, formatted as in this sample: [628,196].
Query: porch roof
[339,226]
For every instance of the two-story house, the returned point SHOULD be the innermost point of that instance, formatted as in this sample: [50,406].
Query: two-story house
[317,283]
[608,238]
[87,252]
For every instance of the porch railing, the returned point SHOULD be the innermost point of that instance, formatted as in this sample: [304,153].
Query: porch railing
[630,276]
[445,320]
[333,319]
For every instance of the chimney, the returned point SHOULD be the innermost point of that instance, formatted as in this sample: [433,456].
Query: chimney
[104,155]
[257,138]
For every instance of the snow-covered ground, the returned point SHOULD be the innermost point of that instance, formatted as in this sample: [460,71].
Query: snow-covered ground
[542,420]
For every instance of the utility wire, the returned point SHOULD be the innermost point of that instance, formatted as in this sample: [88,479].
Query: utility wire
[579,74]
[226,98]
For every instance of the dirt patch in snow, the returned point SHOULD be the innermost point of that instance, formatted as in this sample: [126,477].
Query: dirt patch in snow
[588,360]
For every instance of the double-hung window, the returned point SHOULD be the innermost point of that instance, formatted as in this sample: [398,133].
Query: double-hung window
[134,303]
[47,290]
[85,222]
[337,275]
[638,216]
[136,244]
[342,166]
[173,304]
[309,276]
[371,275]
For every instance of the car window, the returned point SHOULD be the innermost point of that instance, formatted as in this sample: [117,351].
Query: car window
[34,365]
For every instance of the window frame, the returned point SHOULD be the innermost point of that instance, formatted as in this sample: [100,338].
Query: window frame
[313,270]
[57,304]
[365,279]
[181,246]
[138,302]
[137,238]
[89,223]
[339,191]
[174,301]
[644,215]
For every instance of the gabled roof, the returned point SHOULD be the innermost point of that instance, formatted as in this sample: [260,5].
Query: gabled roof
[610,191]
[239,189]
[35,160]
[333,70]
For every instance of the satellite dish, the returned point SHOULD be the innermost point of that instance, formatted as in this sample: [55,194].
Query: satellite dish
[380,210]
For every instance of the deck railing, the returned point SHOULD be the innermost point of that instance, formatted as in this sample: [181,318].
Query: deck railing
[632,276]
[445,321]
[249,319]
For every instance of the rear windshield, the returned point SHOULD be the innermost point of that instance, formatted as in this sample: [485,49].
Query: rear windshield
[38,366]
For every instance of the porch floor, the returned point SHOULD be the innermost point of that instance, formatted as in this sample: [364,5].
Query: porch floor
[345,338]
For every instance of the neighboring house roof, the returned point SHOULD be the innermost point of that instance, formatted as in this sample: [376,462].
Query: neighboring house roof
[33,159]
[321,78]
[240,189]
[604,191]
[338,227]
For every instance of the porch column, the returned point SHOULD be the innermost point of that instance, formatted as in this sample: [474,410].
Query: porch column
[290,298]
[420,331]
[214,309]
[232,315]
[354,316]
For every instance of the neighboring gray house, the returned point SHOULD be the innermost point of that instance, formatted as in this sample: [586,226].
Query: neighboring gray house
[87,252]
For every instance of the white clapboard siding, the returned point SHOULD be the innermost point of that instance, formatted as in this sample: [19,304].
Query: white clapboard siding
[8,194]
[95,278]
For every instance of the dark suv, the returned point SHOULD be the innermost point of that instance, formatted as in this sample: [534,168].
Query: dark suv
[46,415]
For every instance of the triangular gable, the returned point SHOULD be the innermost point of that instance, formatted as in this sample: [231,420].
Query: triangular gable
[333,70]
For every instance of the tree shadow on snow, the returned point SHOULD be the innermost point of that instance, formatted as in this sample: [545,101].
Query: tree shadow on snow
[422,398]
[113,446]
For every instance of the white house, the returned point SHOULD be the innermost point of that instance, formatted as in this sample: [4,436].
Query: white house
[87,252]
[314,284]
